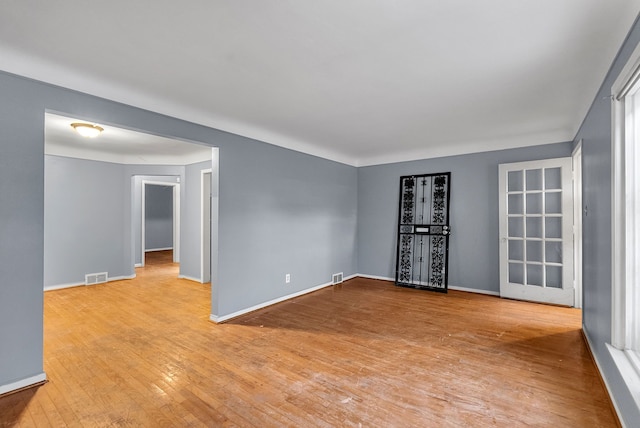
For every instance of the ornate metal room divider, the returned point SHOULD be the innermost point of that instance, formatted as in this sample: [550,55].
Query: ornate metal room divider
[423,232]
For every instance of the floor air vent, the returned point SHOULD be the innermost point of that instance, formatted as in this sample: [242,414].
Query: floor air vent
[95,278]
[337,278]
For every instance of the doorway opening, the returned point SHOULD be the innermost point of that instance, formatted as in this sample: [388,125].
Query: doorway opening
[160,220]
[93,202]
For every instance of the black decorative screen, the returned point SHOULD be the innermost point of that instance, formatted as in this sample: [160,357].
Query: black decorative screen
[423,232]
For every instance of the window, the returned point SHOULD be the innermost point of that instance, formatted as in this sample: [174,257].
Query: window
[625,335]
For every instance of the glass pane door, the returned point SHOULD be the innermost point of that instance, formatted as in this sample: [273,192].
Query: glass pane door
[535,228]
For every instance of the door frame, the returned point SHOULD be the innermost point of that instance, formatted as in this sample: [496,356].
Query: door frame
[176,218]
[205,220]
[576,161]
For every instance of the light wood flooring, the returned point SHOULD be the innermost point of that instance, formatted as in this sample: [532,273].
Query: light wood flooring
[364,353]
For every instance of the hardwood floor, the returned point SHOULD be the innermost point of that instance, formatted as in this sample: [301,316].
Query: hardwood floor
[364,353]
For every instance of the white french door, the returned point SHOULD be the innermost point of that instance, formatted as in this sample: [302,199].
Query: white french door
[536,231]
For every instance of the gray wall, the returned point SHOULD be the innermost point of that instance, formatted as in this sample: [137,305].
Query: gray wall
[89,219]
[158,213]
[21,231]
[191,254]
[597,187]
[84,226]
[473,246]
[279,212]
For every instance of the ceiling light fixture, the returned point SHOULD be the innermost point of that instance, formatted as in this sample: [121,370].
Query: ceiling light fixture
[87,130]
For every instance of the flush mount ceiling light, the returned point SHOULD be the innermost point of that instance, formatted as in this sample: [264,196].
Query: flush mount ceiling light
[87,129]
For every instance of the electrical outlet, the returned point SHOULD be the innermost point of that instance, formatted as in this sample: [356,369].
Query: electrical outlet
[287,278]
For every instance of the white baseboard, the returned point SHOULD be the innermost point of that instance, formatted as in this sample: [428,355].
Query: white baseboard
[223,318]
[450,287]
[604,379]
[138,265]
[150,250]
[120,278]
[381,278]
[191,278]
[61,286]
[23,383]
[474,290]
[236,314]
[80,284]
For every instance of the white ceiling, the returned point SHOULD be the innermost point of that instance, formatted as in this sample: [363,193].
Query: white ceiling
[358,81]
[118,145]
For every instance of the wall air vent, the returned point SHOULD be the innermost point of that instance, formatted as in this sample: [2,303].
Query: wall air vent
[337,278]
[96,278]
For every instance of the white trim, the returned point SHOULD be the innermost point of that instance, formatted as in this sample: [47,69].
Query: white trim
[143,238]
[628,373]
[627,73]
[632,214]
[576,163]
[63,286]
[381,278]
[236,314]
[81,284]
[618,206]
[176,218]
[203,219]
[618,253]
[137,265]
[150,250]
[190,278]
[475,290]
[121,277]
[450,287]
[622,228]
[16,62]
[464,148]
[625,236]
[176,223]
[174,159]
[604,379]
[23,383]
